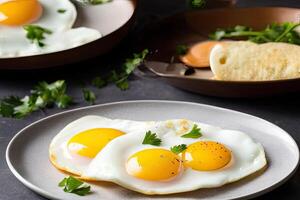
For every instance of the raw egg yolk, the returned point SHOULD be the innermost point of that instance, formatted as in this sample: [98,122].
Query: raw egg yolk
[19,12]
[154,165]
[206,156]
[88,143]
[198,55]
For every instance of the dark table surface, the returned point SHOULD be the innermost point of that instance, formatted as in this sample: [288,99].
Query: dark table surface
[283,111]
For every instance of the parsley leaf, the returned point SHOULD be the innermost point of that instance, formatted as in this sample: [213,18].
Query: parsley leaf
[7,106]
[276,32]
[99,82]
[89,95]
[53,93]
[177,149]
[181,49]
[131,63]
[194,133]
[73,185]
[44,95]
[120,77]
[36,33]
[123,84]
[197,3]
[61,11]
[151,138]
[93,2]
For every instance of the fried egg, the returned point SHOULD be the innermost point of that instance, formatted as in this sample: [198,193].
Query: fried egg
[217,157]
[75,146]
[15,14]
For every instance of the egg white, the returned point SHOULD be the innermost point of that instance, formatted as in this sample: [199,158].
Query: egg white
[109,165]
[14,43]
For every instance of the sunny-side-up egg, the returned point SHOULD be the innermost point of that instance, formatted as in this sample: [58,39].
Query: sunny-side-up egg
[212,160]
[55,16]
[73,148]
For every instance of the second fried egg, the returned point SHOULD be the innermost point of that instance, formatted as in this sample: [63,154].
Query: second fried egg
[217,157]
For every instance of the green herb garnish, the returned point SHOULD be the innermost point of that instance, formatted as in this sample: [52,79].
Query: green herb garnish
[61,11]
[75,186]
[36,33]
[120,77]
[99,82]
[181,49]
[89,95]
[276,32]
[177,149]
[197,3]
[44,95]
[151,138]
[194,133]
[93,2]
[7,106]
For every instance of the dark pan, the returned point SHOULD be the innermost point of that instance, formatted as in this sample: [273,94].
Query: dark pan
[194,26]
[103,18]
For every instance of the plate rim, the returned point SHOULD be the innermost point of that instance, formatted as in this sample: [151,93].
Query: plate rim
[46,194]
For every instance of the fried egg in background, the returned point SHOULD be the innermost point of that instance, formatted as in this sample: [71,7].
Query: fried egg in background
[73,148]
[14,14]
[218,157]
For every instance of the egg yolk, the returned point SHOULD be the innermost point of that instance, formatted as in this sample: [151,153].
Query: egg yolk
[206,156]
[198,55]
[154,165]
[88,143]
[19,12]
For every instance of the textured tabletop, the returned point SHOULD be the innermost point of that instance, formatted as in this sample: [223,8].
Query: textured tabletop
[283,111]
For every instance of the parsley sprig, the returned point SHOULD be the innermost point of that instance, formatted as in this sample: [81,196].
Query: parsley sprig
[89,95]
[194,133]
[75,186]
[61,10]
[181,49]
[36,33]
[276,32]
[152,139]
[93,2]
[197,3]
[44,95]
[177,149]
[120,77]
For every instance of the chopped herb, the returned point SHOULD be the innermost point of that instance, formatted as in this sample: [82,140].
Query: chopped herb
[194,133]
[44,95]
[99,82]
[197,3]
[7,106]
[131,63]
[120,77]
[93,2]
[181,49]
[276,32]
[75,186]
[61,10]
[123,84]
[178,148]
[151,138]
[89,95]
[36,33]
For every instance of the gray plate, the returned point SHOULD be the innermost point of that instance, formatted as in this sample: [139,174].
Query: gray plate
[27,153]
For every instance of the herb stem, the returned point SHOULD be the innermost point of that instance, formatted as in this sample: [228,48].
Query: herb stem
[280,37]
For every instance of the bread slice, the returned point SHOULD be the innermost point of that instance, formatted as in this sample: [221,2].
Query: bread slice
[247,61]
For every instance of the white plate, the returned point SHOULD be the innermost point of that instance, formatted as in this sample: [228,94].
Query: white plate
[27,153]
